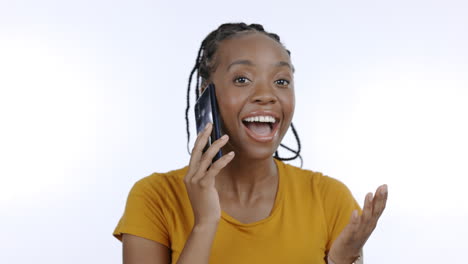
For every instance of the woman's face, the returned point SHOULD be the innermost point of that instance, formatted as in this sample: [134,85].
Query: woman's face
[255,92]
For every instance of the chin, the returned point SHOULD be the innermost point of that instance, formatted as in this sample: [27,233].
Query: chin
[259,153]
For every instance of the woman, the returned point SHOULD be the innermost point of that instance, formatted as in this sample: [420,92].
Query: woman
[248,206]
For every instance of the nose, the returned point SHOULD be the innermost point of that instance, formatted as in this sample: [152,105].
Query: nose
[263,94]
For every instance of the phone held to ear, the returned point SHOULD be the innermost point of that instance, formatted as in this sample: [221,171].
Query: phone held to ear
[206,111]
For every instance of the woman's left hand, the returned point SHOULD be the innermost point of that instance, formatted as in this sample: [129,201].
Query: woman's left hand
[348,245]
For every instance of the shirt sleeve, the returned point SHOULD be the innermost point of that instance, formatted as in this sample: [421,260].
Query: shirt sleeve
[339,204]
[144,214]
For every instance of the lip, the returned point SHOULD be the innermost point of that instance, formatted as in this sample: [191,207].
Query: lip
[274,131]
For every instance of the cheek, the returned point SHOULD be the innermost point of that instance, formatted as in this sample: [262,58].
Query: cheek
[229,104]
[288,102]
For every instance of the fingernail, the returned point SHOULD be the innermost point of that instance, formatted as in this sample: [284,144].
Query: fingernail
[224,137]
[371,197]
[207,126]
[384,189]
[231,153]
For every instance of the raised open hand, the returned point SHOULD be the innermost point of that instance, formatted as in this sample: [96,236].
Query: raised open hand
[347,247]
[200,178]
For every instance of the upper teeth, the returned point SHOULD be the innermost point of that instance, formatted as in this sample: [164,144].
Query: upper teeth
[268,119]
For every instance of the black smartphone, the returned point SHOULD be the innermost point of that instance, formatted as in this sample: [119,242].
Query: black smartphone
[206,111]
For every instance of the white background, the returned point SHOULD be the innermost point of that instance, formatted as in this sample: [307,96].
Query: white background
[93,97]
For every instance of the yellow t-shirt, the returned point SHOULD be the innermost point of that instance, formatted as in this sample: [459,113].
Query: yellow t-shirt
[310,211]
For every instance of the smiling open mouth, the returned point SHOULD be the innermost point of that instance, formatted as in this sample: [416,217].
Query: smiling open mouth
[261,128]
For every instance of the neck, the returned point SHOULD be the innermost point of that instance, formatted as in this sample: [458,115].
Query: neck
[244,177]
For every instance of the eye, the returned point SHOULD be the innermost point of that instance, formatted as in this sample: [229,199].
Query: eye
[241,80]
[282,82]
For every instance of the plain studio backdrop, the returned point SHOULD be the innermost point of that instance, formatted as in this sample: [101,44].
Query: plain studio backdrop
[93,97]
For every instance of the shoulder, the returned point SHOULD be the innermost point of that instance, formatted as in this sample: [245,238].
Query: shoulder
[317,181]
[316,178]
[146,210]
[158,184]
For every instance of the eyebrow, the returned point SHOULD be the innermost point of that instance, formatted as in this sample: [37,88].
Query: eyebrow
[284,63]
[241,62]
[250,63]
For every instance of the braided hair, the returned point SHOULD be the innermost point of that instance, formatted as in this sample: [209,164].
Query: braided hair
[205,65]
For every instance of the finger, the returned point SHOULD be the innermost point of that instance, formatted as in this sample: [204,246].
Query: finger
[216,167]
[380,201]
[354,222]
[199,145]
[208,156]
[202,140]
[353,226]
[367,210]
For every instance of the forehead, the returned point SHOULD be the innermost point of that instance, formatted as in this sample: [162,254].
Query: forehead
[256,47]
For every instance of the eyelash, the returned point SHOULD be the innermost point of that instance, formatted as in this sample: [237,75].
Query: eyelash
[287,82]
[236,80]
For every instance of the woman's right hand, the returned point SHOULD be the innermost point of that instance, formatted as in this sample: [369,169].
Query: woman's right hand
[200,178]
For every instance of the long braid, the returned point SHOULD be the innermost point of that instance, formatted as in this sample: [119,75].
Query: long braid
[204,66]
[297,152]
[187,109]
